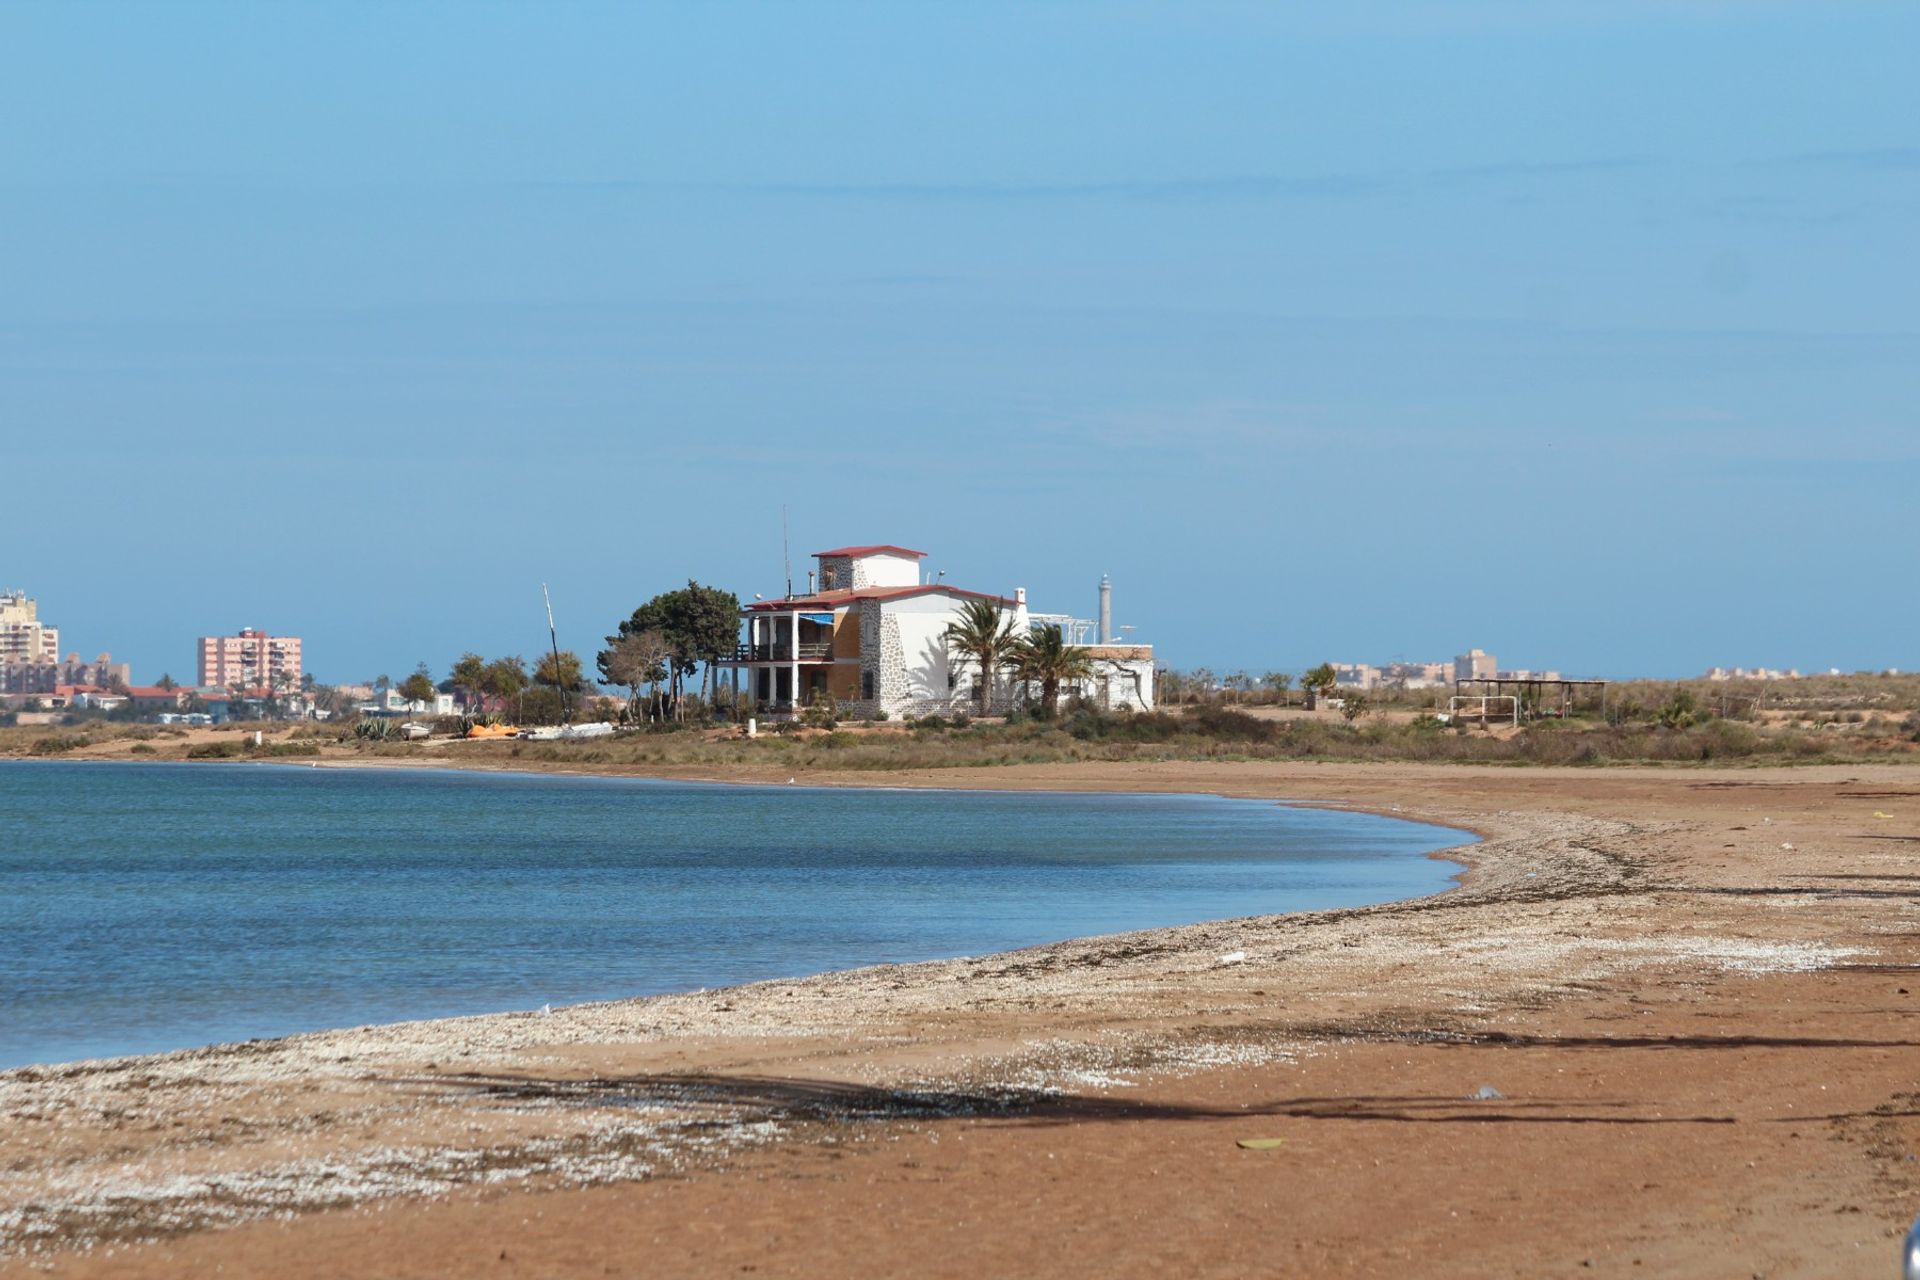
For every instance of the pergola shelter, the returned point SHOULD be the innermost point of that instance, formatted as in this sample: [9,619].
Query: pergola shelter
[1543,696]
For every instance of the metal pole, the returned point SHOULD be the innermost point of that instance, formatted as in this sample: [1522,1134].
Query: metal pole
[566,710]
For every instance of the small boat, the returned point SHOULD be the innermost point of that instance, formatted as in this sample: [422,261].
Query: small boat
[569,732]
[493,731]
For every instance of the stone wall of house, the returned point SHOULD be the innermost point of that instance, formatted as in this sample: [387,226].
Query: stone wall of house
[880,654]
[836,573]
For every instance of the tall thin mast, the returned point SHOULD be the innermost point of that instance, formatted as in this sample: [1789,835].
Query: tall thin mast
[786,556]
[566,708]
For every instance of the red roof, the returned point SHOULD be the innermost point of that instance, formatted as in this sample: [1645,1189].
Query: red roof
[152,691]
[833,599]
[878,549]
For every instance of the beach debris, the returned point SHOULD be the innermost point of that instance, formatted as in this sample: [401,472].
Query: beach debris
[1485,1093]
[1910,1254]
[1787,847]
[1261,1144]
[1878,814]
[546,1011]
[1234,957]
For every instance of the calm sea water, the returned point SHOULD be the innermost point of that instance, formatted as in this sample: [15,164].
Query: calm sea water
[158,906]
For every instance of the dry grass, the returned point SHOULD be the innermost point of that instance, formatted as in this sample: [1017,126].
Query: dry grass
[1630,735]
[1215,733]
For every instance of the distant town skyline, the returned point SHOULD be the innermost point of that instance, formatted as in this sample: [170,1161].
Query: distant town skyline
[1584,332]
[20,634]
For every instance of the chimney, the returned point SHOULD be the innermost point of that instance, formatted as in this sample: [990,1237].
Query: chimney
[810,581]
[1106,610]
[1019,596]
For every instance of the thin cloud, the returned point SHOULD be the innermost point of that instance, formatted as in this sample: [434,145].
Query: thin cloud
[1223,187]
[1523,170]
[1871,160]
[1241,187]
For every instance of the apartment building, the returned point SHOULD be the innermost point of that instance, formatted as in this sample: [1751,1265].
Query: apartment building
[1357,676]
[1476,664]
[24,639]
[250,660]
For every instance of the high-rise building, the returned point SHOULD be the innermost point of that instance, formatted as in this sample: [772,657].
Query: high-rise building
[1475,664]
[24,639]
[250,660]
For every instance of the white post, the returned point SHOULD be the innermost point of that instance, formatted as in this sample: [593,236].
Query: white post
[794,657]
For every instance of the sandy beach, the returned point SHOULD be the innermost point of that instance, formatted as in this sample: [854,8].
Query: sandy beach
[1665,1026]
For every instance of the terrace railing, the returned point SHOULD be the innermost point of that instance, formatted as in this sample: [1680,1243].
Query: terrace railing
[815,652]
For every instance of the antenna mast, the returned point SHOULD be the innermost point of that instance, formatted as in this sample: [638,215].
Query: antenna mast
[566,708]
[786,556]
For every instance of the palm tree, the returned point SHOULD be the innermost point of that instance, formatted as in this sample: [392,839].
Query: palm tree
[1320,681]
[984,633]
[279,687]
[1046,658]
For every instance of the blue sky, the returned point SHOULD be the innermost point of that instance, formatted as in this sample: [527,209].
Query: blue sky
[1584,333]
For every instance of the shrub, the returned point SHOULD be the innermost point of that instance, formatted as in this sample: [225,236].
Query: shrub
[140,749]
[1223,722]
[216,751]
[1680,711]
[57,744]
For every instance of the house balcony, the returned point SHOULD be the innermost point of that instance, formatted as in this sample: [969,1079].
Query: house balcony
[821,651]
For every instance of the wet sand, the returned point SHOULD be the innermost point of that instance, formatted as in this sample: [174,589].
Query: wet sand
[1699,1045]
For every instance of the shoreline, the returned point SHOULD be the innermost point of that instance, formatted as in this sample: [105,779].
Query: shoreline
[1456,854]
[1593,895]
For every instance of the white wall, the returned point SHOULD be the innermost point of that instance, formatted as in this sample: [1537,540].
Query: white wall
[920,623]
[885,570]
[1118,684]
[916,681]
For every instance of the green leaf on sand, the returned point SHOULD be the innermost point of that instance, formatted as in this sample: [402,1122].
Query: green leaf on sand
[1262,1144]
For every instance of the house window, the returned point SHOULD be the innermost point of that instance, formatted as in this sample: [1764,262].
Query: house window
[866,685]
[829,576]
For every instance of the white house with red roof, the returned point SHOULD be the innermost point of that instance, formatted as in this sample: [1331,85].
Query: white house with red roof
[871,633]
